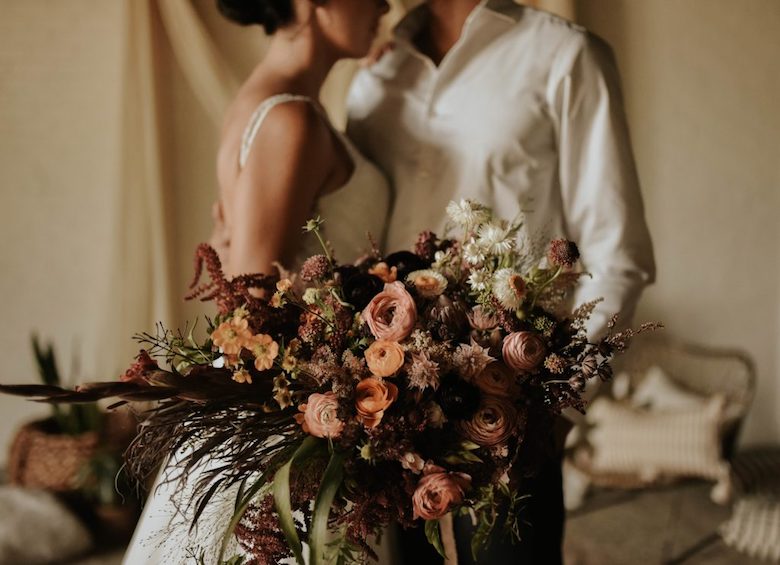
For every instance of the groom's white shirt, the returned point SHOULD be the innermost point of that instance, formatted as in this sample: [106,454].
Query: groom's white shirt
[523,114]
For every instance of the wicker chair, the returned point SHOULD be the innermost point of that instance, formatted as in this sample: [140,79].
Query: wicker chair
[700,369]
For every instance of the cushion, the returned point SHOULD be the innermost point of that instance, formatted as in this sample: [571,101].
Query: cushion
[754,527]
[659,392]
[659,445]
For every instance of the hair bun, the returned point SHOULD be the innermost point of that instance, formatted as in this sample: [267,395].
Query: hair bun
[271,14]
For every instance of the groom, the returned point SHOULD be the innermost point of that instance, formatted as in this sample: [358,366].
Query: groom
[521,111]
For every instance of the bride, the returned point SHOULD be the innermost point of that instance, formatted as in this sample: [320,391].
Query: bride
[280,162]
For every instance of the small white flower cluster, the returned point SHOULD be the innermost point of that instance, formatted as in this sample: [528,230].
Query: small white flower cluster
[492,252]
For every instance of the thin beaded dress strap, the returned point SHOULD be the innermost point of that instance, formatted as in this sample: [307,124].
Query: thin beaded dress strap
[250,132]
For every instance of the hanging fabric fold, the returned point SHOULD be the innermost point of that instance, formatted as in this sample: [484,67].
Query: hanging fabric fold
[140,273]
[204,67]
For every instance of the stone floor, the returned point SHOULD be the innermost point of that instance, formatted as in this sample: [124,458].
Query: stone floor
[665,525]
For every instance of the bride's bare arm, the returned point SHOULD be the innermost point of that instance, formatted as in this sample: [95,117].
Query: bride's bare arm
[289,163]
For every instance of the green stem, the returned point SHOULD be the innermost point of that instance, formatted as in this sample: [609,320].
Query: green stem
[545,285]
[324,247]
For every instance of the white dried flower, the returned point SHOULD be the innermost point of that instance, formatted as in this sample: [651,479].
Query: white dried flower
[466,212]
[479,280]
[473,253]
[494,238]
[441,259]
[509,288]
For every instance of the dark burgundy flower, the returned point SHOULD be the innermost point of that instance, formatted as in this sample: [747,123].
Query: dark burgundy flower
[458,399]
[405,262]
[360,288]
[315,268]
[426,247]
[563,253]
[138,371]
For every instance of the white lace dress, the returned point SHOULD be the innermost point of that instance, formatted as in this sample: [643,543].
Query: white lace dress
[163,535]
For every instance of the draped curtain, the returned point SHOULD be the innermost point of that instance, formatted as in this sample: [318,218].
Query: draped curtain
[143,246]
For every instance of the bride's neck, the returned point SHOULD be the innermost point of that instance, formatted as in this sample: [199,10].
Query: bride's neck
[295,60]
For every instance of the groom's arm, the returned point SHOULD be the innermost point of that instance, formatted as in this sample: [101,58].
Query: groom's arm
[603,207]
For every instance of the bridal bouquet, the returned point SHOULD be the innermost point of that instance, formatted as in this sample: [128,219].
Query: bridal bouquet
[343,398]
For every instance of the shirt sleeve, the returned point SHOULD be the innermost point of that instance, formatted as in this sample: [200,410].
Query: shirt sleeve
[600,195]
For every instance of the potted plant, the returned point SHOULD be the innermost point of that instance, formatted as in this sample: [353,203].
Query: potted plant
[50,453]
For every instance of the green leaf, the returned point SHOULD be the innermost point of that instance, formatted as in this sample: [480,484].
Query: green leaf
[433,534]
[281,488]
[470,457]
[469,445]
[331,481]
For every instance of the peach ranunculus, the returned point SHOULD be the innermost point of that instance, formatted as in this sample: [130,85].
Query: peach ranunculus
[373,397]
[230,335]
[264,349]
[496,379]
[493,422]
[391,314]
[319,416]
[384,357]
[438,492]
[523,351]
[383,271]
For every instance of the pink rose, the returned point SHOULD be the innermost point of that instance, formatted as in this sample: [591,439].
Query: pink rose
[493,423]
[523,351]
[320,415]
[391,314]
[438,491]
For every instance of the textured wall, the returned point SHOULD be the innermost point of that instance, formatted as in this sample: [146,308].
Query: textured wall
[59,101]
[702,84]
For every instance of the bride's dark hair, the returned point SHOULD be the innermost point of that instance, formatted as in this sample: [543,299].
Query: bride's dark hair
[271,14]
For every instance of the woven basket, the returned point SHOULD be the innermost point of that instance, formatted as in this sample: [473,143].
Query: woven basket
[43,458]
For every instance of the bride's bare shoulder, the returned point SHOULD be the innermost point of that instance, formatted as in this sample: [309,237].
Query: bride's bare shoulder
[291,131]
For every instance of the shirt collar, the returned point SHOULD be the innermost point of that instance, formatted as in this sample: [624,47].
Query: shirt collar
[411,24]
